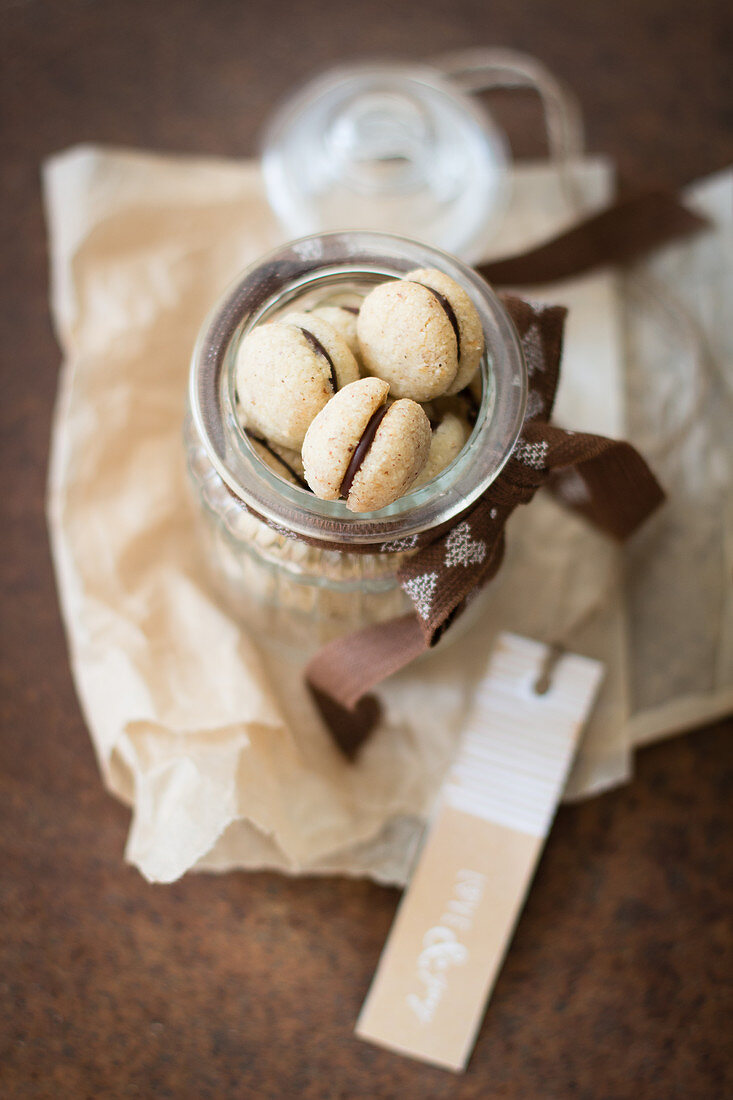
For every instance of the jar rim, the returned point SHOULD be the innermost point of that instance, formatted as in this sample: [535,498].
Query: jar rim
[329,259]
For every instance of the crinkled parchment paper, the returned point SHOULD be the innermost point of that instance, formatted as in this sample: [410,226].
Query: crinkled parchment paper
[210,740]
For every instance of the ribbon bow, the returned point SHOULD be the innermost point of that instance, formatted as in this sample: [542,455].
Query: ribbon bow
[608,481]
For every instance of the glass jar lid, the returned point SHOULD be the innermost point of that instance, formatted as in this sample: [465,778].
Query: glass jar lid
[388,147]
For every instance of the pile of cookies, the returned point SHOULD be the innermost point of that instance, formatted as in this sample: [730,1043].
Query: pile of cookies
[364,404]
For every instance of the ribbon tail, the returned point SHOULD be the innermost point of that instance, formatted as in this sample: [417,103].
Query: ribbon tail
[345,669]
[622,490]
[620,234]
[605,480]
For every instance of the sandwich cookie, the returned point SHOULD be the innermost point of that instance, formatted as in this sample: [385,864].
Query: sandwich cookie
[286,371]
[448,440]
[364,450]
[422,334]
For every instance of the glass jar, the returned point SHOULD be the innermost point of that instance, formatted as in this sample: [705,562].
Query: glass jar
[304,593]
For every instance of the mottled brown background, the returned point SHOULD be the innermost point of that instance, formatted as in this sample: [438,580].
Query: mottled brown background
[248,985]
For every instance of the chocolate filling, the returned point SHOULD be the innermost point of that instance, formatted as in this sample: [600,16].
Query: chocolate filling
[350,309]
[449,312]
[286,465]
[318,347]
[361,449]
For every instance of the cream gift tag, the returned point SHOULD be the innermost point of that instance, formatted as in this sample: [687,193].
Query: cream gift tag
[493,814]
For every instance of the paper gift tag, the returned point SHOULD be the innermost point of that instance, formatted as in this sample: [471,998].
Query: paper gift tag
[495,809]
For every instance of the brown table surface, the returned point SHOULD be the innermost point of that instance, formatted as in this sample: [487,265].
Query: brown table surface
[249,985]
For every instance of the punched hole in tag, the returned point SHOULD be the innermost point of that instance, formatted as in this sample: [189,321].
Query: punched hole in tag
[543,683]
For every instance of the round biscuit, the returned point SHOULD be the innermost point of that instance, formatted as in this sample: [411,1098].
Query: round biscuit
[406,338]
[335,432]
[283,381]
[470,330]
[344,321]
[333,342]
[447,442]
[397,455]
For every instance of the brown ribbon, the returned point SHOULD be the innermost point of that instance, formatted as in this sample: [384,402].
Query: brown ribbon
[620,234]
[605,480]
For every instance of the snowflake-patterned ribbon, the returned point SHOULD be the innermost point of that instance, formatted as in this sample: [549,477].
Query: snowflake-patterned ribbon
[604,480]
[607,481]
